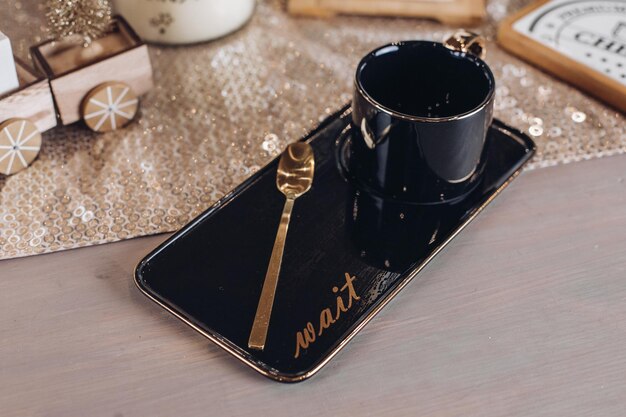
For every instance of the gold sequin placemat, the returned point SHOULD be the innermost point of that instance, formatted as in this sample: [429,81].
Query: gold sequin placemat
[221,110]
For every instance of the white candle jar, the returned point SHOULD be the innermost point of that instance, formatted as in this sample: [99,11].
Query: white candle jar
[184,21]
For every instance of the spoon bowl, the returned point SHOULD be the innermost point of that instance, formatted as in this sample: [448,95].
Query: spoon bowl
[295,170]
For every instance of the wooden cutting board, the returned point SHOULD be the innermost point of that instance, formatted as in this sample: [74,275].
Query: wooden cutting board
[452,12]
[580,41]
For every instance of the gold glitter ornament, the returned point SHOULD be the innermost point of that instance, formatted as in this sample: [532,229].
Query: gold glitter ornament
[87,19]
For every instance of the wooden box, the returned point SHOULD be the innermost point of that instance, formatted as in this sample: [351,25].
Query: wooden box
[74,71]
[452,12]
[32,100]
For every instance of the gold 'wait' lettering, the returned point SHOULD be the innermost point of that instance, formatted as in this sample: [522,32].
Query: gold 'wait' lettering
[308,335]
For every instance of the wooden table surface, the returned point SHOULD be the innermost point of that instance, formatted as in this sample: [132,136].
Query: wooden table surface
[524,314]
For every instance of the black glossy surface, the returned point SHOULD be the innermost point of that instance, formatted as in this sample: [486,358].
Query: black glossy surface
[427,109]
[212,271]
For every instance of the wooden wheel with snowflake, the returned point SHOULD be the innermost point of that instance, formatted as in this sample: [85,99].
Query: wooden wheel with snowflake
[20,142]
[109,106]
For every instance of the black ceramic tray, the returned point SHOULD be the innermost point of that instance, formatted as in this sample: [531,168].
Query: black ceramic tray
[347,254]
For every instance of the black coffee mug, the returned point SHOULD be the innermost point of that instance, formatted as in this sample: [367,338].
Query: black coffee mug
[420,115]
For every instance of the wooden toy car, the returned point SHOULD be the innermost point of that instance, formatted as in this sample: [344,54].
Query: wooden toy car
[25,114]
[99,84]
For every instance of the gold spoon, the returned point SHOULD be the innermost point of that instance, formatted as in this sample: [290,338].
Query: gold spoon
[294,178]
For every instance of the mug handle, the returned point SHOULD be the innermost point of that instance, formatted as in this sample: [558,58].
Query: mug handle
[467,42]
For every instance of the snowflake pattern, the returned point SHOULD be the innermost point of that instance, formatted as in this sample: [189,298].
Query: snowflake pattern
[20,141]
[106,110]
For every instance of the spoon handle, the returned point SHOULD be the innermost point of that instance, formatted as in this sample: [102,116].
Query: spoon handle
[258,334]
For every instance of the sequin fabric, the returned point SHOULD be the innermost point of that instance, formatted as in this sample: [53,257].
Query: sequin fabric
[223,109]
